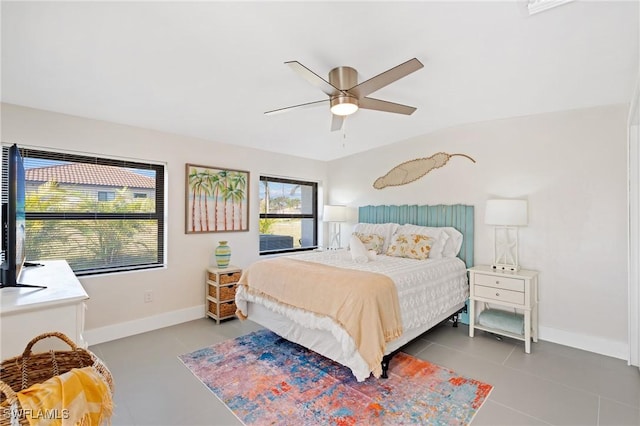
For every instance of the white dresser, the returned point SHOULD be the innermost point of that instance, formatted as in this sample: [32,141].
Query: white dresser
[507,290]
[28,312]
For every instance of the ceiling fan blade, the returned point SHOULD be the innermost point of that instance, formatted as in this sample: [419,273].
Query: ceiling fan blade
[386,106]
[336,122]
[301,106]
[314,78]
[381,80]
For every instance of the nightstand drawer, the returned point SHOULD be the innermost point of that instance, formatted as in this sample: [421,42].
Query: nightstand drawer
[507,283]
[499,294]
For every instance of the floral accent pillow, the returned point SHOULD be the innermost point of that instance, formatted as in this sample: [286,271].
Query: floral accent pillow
[412,246]
[373,242]
[439,235]
[385,230]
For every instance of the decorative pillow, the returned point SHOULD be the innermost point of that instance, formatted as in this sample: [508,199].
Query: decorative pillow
[412,246]
[439,235]
[386,230]
[358,251]
[373,242]
[454,243]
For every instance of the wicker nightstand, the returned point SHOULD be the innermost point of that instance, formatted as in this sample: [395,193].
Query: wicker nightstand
[221,292]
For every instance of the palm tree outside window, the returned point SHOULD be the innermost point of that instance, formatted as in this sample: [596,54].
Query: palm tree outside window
[288,215]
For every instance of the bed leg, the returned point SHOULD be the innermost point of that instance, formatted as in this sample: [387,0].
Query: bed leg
[385,366]
[454,317]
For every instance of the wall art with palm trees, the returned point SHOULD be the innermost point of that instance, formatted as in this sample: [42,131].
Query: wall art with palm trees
[217,200]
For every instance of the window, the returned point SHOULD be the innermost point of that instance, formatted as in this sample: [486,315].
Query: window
[106,196]
[84,209]
[288,215]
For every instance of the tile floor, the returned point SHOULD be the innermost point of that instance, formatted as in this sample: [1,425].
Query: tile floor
[554,385]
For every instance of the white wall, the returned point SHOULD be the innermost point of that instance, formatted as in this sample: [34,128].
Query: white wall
[571,166]
[116,307]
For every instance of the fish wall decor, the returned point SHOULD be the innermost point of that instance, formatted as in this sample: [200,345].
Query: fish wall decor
[412,170]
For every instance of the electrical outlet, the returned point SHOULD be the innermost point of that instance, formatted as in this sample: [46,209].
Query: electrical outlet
[148,296]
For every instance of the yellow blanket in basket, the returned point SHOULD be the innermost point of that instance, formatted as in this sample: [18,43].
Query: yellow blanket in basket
[78,397]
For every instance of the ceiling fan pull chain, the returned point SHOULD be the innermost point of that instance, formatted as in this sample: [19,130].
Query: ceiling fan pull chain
[344,133]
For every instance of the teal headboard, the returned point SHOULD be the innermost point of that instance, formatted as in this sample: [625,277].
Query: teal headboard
[459,216]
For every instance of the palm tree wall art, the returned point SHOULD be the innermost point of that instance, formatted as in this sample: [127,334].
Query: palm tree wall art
[217,199]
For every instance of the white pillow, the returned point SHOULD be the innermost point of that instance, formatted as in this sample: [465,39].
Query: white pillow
[386,230]
[438,235]
[371,241]
[358,251]
[454,243]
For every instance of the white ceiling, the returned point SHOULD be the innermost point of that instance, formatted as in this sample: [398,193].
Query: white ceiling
[211,69]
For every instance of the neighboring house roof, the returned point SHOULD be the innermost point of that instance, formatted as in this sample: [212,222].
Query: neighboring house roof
[90,174]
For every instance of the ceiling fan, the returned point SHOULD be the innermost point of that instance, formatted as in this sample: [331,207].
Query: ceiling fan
[346,96]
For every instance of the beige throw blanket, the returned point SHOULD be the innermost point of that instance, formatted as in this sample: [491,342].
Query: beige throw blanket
[365,304]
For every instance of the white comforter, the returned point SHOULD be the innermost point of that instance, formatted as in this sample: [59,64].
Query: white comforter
[427,289]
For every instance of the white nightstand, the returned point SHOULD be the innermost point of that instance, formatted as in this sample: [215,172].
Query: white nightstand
[511,290]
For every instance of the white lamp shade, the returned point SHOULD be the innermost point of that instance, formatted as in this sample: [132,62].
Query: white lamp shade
[506,212]
[334,214]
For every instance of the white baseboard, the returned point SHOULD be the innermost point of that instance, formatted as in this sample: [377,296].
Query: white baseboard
[612,348]
[95,336]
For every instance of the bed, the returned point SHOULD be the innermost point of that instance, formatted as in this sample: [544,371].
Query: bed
[428,291]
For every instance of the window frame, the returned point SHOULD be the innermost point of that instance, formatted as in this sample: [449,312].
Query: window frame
[158,215]
[108,196]
[314,215]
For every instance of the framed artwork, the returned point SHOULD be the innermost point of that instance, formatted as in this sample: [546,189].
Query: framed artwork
[217,199]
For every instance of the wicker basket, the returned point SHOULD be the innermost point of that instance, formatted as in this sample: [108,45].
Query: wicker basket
[22,371]
[233,277]
[230,278]
[6,406]
[226,293]
[226,309]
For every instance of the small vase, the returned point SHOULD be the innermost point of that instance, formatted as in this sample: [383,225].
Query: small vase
[223,254]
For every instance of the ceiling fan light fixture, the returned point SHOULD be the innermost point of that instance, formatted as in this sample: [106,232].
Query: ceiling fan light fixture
[344,105]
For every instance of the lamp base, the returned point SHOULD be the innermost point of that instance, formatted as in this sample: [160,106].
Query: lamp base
[505,249]
[334,236]
[505,268]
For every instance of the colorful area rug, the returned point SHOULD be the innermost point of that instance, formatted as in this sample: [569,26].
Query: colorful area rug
[267,380]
